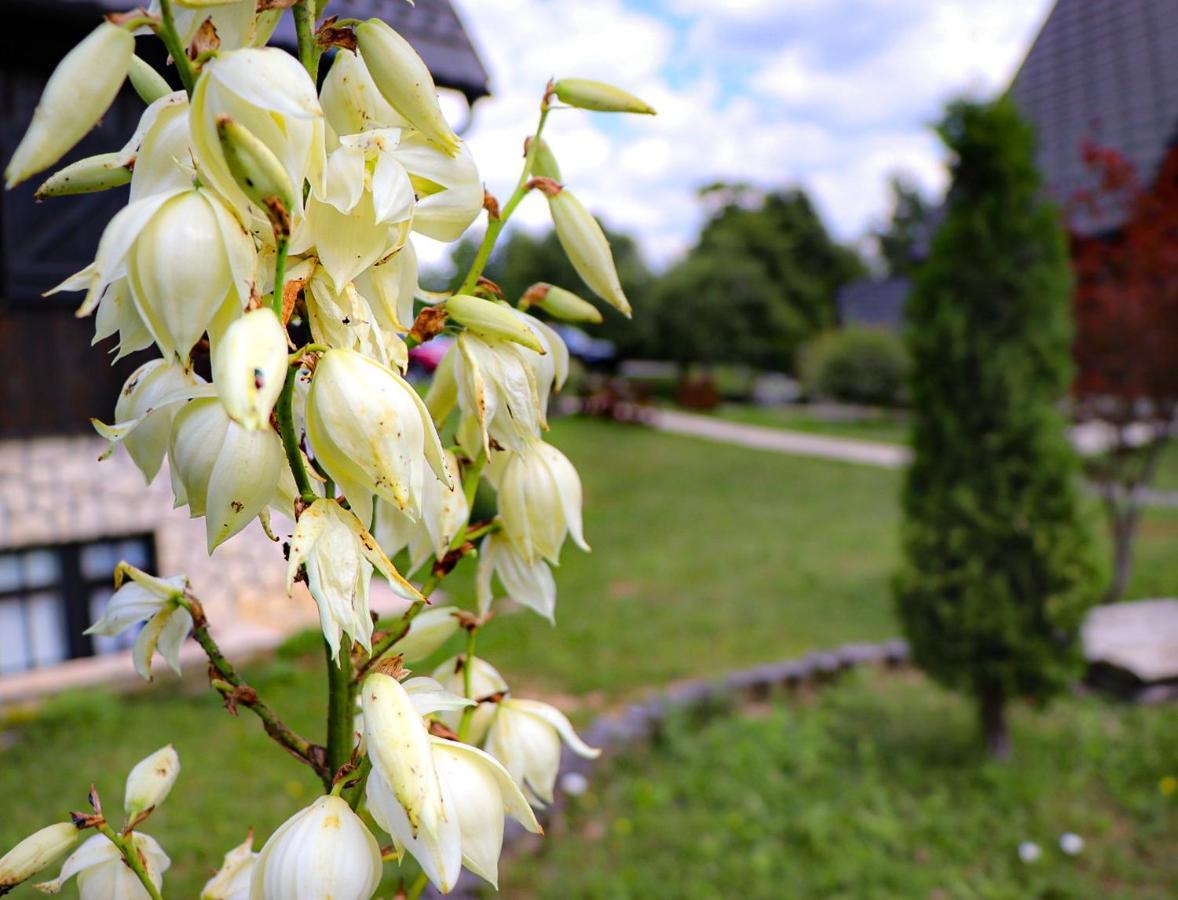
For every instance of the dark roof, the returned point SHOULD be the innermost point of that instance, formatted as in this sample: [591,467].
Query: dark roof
[431,26]
[873,303]
[1104,71]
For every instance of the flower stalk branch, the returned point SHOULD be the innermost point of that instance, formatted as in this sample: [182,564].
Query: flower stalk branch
[126,846]
[171,38]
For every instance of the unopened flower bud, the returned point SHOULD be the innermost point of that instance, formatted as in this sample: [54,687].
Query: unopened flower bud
[442,396]
[232,880]
[87,176]
[562,304]
[39,850]
[258,172]
[598,96]
[148,83]
[586,246]
[405,81]
[544,164]
[150,781]
[249,367]
[79,91]
[492,320]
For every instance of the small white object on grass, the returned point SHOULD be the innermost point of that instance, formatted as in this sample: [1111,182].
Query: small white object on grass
[1029,851]
[1071,844]
[574,784]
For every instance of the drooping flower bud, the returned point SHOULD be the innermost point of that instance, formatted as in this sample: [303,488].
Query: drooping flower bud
[102,872]
[444,512]
[351,100]
[587,248]
[323,850]
[144,597]
[562,304]
[232,881]
[36,852]
[249,367]
[405,81]
[79,91]
[371,432]
[544,164]
[525,736]
[492,320]
[258,172]
[442,396]
[430,628]
[485,681]
[149,84]
[539,501]
[87,176]
[150,781]
[584,93]
[528,583]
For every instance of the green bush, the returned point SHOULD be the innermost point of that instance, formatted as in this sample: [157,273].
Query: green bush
[856,365]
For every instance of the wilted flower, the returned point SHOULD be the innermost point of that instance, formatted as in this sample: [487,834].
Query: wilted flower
[220,470]
[154,600]
[339,555]
[586,247]
[529,584]
[405,81]
[232,881]
[249,367]
[525,736]
[79,91]
[539,500]
[150,781]
[444,513]
[104,875]
[370,431]
[324,850]
[485,681]
[38,851]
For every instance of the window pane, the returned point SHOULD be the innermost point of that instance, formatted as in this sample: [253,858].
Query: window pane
[9,572]
[47,629]
[14,651]
[98,560]
[41,568]
[133,551]
[102,643]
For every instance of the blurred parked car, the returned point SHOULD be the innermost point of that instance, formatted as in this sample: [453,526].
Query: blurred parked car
[589,350]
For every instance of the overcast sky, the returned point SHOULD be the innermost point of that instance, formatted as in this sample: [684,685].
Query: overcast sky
[831,95]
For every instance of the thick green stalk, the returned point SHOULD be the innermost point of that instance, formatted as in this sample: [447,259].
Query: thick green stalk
[495,226]
[304,18]
[341,708]
[467,685]
[126,846]
[284,412]
[171,38]
[278,299]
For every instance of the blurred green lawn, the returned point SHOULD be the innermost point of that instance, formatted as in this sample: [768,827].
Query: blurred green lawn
[706,558]
[874,789]
[880,425]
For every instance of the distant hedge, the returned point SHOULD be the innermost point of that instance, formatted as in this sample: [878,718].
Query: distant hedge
[856,365]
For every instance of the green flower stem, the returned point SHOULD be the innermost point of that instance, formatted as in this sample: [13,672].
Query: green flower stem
[290,443]
[171,37]
[355,794]
[241,694]
[126,846]
[495,226]
[304,17]
[341,709]
[414,891]
[276,301]
[467,685]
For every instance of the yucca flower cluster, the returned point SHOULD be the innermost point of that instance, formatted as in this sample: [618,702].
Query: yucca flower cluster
[266,253]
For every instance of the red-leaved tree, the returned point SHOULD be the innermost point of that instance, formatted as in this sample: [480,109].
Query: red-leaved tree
[1125,253]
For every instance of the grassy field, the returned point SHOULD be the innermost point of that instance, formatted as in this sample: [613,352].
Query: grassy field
[884,425]
[705,558]
[875,789]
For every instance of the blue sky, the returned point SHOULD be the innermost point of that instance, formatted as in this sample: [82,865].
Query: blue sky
[831,95]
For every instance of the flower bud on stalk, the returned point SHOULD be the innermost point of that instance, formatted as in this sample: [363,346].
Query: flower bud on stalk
[36,852]
[492,320]
[148,83]
[404,80]
[79,91]
[598,96]
[586,246]
[150,781]
[258,172]
[87,176]
[544,164]
[232,880]
[562,304]
[249,366]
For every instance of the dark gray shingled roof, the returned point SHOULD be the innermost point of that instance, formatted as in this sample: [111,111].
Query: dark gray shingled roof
[875,304]
[1106,71]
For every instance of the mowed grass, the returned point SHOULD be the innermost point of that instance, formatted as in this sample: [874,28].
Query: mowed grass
[706,558]
[874,789]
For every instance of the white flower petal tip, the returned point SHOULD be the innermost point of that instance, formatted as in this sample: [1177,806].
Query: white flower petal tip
[525,736]
[150,781]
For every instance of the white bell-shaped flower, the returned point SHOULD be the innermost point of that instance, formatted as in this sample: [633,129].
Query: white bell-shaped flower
[347,320]
[371,432]
[232,880]
[146,598]
[150,781]
[323,850]
[525,736]
[539,500]
[527,583]
[485,681]
[116,315]
[36,852]
[161,148]
[391,287]
[339,555]
[351,100]
[220,470]
[449,190]
[428,630]
[249,367]
[268,92]
[444,512]
[361,213]
[238,22]
[103,874]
